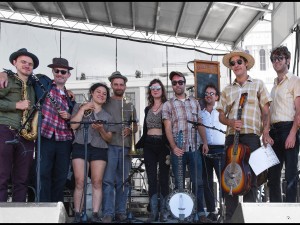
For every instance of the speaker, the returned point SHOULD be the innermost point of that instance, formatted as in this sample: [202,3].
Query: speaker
[267,213]
[17,212]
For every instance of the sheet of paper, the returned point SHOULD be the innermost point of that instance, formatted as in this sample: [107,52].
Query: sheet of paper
[262,159]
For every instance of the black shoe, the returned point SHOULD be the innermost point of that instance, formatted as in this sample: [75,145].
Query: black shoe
[96,218]
[120,217]
[77,218]
[212,216]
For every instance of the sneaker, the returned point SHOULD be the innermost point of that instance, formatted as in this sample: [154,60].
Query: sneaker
[77,217]
[203,219]
[119,217]
[96,218]
[212,216]
[107,219]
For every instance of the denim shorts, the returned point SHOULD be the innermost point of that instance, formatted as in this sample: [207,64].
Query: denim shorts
[92,152]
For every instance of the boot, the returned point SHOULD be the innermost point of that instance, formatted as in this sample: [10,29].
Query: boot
[163,209]
[154,211]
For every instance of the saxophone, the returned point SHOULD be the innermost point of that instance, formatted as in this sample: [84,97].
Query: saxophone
[29,132]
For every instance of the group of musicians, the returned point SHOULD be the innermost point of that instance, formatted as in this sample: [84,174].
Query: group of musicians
[40,115]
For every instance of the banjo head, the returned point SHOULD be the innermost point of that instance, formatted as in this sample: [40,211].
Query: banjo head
[181,204]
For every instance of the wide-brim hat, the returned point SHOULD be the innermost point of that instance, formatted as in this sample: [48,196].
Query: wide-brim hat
[250,59]
[173,73]
[23,51]
[117,74]
[60,63]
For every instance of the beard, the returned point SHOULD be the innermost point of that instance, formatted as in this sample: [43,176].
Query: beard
[119,93]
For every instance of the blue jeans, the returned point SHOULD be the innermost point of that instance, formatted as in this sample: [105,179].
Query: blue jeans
[209,165]
[189,158]
[287,156]
[114,194]
[54,168]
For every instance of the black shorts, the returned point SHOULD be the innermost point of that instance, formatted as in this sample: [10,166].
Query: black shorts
[92,152]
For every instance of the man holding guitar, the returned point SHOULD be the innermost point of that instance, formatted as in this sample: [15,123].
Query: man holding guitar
[244,108]
[176,113]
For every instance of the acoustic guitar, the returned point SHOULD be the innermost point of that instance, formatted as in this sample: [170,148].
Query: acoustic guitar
[236,175]
[181,202]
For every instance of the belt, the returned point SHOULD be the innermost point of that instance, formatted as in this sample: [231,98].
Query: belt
[155,136]
[281,124]
[215,146]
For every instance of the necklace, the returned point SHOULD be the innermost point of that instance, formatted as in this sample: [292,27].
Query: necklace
[157,108]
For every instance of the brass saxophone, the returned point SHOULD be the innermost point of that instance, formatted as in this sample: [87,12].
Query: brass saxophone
[29,132]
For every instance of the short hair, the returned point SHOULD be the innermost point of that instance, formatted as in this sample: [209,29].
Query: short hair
[211,85]
[281,50]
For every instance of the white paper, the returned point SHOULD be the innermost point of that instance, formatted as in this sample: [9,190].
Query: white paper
[262,159]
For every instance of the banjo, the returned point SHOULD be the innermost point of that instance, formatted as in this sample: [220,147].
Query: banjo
[181,202]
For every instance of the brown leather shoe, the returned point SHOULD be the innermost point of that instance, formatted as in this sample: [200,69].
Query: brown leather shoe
[107,219]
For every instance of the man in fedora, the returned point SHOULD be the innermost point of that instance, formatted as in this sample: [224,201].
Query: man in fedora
[115,189]
[56,134]
[16,152]
[255,118]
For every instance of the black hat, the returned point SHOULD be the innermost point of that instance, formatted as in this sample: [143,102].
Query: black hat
[23,51]
[60,63]
[173,73]
[117,74]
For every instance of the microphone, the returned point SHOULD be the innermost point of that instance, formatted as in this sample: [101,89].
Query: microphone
[13,142]
[190,88]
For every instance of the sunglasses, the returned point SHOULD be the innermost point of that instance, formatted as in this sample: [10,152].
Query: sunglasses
[278,58]
[156,88]
[63,72]
[180,82]
[209,93]
[239,61]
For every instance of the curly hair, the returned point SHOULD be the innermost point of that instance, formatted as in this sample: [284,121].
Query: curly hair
[163,95]
[95,86]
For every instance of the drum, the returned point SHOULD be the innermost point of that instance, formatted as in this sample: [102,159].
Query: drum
[181,204]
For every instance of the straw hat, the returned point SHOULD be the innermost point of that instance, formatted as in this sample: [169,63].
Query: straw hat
[239,52]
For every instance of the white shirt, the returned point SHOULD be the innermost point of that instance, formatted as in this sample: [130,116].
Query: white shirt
[214,137]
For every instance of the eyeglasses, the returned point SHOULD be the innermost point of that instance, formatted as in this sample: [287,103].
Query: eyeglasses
[209,93]
[180,82]
[156,88]
[239,61]
[63,72]
[278,58]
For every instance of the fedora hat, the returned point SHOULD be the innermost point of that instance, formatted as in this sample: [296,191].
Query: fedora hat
[23,51]
[60,63]
[117,74]
[239,52]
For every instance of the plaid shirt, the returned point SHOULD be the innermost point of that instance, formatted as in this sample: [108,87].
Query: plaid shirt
[179,112]
[258,96]
[52,122]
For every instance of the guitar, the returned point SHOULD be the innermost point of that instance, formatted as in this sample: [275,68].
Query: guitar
[236,175]
[181,202]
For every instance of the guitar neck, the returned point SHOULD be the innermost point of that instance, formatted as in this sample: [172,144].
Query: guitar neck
[180,174]
[237,133]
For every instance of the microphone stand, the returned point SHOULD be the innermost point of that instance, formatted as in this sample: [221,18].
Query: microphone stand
[196,216]
[295,179]
[130,217]
[84,217]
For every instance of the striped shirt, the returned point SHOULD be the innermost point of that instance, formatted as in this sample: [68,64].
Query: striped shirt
[52,122]
[179,112]
[258,96]
[283,95]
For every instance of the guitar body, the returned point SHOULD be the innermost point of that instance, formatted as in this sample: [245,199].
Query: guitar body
[236,175]
[181,202]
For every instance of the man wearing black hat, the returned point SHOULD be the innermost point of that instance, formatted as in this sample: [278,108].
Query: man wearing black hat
[15,102]
[56,134]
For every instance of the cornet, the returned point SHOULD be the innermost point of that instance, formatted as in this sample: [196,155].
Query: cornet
[88,112]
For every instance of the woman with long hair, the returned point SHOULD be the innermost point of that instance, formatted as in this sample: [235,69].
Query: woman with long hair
[155,148]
